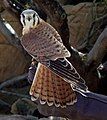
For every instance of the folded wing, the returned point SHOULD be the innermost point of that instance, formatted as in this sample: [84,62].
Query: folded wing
[64,68]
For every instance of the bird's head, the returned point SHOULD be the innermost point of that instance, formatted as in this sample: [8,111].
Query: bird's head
[29,18]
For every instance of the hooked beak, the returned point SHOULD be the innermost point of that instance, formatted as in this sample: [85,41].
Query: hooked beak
[29,18]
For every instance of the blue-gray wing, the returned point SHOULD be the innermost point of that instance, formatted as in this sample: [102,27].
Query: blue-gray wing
[64,68]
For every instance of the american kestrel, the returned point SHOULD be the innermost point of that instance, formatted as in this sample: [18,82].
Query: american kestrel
[56,80]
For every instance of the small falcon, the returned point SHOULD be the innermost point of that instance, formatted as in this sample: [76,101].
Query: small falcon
[56,80]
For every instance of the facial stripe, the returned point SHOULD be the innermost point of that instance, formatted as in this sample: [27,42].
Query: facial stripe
[38,20]
[34,15]
[23,19]
[34,19]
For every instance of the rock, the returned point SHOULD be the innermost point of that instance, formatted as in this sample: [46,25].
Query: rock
[23,106]
[12,61]
[80,18]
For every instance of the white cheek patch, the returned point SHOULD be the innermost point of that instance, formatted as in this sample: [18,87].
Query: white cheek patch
[23,19]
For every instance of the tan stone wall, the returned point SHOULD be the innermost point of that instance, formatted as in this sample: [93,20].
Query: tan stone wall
[80,18]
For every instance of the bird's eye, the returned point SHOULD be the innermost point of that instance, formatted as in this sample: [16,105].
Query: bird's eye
[23,15]
[34,15]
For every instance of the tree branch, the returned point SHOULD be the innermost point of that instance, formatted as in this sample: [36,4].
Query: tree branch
[3,103]
[14,94]
[98,51]
[13,81]
[95,30]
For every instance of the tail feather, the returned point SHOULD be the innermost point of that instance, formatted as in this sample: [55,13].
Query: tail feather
[51,89]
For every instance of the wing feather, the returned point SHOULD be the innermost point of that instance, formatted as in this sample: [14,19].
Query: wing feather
[65,69]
